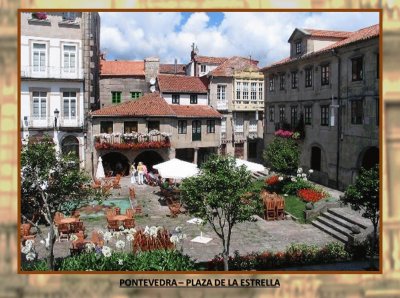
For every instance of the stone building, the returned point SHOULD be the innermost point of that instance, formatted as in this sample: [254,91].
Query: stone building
[201,65]
[59,76]
[331,79]
[236,90]
[151,130]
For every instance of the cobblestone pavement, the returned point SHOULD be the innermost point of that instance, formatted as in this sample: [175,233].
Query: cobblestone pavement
[247,237]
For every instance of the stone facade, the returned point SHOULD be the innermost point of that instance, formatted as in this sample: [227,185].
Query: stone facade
[341,111]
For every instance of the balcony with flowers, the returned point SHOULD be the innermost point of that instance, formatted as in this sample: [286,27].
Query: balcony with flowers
[154,139]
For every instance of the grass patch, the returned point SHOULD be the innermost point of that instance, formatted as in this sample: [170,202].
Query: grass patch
[295,206]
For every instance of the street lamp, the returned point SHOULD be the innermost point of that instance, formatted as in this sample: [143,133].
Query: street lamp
[56,114]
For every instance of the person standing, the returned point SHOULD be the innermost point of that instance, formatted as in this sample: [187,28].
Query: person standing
[133,173]
[140,170]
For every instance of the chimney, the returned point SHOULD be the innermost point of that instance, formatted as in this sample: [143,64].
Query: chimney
[175,67]
[151,68]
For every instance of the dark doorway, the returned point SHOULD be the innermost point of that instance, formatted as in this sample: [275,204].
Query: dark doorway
[239,150]
[370,158]
[149,158]
[252,150]
[70,144]
[115,163]
[316,158]
[204,154]
[196,130]
[185,154]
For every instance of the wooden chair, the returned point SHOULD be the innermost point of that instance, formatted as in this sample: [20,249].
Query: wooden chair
[63,231]
[25,233]
[130,213]
[57,217]
[132,193]
[96,184]
[129,223]
[106,187]
[76,214]
[175,209]
[138,209]
[77,247]
[97,239]
[270,209]
[76,227]
[113,225]
[280,208]
[115,183]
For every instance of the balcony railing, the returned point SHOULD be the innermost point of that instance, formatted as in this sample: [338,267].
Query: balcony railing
[152,140]
[47,122]
[246,105]
[222,105]
[52,73]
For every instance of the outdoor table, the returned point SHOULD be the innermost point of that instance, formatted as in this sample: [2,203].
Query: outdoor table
[120,217]
[68,220]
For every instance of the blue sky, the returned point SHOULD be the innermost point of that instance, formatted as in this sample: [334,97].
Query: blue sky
[169,35]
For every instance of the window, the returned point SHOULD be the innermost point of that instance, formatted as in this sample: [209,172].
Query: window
[325,74]
[316,158]
[116,96]
[293,116]
[175,99]
[193,99]
[39,57]
[282,117]
[239,150]
[253,93]
[324,115]
[307,115]
[69,58]
[203,68]
[106,126]
[196,130]
[253,125]
[182,126]
[130,126]
[282,81]
[39,104]
[70,145]
[260,91]
[238,89]
[245,90]
[70,16]
[271,84]
[153,125]
[271,114]
[357,69]
[223,125]
[294,79]
[69,105]
[136,94]
[298,47]
[210,126]
[238,120]
[356,112]
[308,78]
[221,92]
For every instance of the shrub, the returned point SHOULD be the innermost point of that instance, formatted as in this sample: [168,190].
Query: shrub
[37,265]
[282,155]
[293,187]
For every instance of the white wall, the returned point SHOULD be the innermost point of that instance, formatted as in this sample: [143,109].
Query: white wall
[185,99]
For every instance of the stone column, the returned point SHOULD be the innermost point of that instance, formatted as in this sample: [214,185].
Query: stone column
[196,152]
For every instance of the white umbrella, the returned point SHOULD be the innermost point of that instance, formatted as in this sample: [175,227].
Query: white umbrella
[176,169]
[251,166]
[100,169]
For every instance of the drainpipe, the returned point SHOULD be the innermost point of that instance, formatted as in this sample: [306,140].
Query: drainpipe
[339,124]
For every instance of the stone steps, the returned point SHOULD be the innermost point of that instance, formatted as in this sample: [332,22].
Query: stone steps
[330,231]
[259,175]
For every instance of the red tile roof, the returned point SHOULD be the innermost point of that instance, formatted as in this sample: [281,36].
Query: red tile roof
[227,68]
[151,104]
[210,60]
[195,111]
[357,36]
[181,84]
[121,68]
[327,33]
[170,69]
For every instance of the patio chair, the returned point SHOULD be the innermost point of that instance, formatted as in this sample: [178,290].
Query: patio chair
[77,247]
[57,217]
[97,239]
[280,208]
[106,187]
[63,232]
[76,227]
[138,209]
[76,214]
[130,213]
[113,225]
[115,182]
[129,223]
[25,233]
[270,209]
[96,184]
[175,209]
[132,193]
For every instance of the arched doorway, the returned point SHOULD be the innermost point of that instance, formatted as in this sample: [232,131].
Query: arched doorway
[370,158]
[115,163]
[149,158]
[70,144]
[316,158]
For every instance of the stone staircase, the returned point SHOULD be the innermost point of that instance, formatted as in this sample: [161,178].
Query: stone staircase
[259,175]
[338,223]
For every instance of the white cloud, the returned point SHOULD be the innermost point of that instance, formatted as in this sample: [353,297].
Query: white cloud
[263,35]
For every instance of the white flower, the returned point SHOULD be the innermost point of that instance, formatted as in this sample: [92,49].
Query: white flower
[120,244]
[178,229]
[153,231]
[107,236]
[132,230]
[30,256]
[305,178]
[299,170]
[146,230]
[120,262]
[293,179]
[89,247]
[126,231]
[116,234]
[106,251]
[285,195]
[311,171]
[303,175]
[121,228]
[25,249]
[280,178]
[129,237]
[29,243]
[100,232]
[174,239]
[299,175]
[73,237]
[44,185]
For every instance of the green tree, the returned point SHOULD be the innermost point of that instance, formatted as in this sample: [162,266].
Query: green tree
[49,183]
[364,195]
[282,155]
[220,196]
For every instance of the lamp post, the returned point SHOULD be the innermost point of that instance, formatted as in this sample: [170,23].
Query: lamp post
[56,114]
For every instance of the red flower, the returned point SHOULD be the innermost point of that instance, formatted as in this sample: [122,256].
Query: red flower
[133,146]
[310,195]
[272,180]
